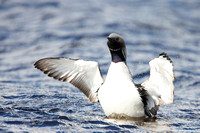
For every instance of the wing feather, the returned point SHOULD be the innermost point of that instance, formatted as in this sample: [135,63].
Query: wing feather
[85,75]
[160,83]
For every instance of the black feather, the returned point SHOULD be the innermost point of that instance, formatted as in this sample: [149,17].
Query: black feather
[143,94]
[164,55]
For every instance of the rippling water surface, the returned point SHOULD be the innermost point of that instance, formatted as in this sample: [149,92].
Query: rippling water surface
[29,30]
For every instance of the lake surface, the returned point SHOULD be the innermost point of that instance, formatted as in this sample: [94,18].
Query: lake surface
[30,30]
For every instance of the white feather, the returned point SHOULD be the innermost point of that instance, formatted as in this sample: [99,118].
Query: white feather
[160,83]
[85,75]
[118,95]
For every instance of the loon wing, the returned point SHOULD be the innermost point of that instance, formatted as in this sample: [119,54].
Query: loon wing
[85,75]
[160,84]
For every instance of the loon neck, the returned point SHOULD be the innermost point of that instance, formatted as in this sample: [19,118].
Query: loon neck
[118,56]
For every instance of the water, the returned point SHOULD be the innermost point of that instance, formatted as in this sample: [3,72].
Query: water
[29,30]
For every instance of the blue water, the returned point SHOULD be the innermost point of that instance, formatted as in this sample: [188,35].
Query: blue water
[29,30]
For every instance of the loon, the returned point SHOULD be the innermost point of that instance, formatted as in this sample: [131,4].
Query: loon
[118,95]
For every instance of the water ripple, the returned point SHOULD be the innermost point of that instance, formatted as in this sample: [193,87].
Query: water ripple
[31,30]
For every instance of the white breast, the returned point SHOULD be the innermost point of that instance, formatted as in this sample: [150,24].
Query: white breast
[118,95]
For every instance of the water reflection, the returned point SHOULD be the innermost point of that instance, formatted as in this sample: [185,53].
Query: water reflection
[148,124]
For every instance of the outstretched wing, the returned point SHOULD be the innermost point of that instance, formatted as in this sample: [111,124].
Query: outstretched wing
[85,75]
[160,83]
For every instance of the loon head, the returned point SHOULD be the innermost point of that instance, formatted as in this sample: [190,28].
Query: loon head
[117,47]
